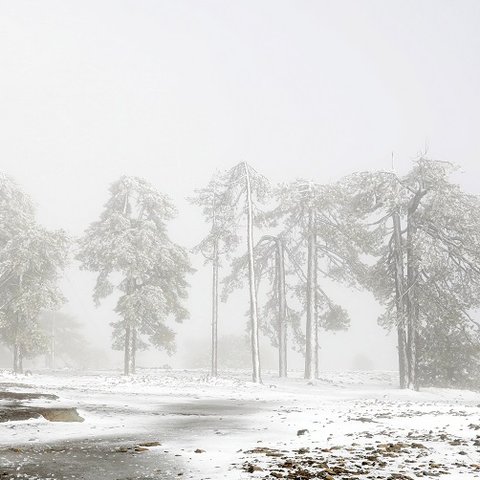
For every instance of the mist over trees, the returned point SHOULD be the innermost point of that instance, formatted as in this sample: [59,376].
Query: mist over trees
[427,268]
[31,261]
[67,346]
[412,240]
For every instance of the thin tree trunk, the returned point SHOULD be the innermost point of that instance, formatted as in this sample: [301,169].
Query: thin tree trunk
[412,310]
[133,356]
[128,334]
[16,352]
[317,346]
[215,310]
[130,337]
[20,359]
[399,299]
[256,375]
[310,327]
[282,310]
[52,343]
[414,351]
[17,364]
[411,293]
[16,346]
[126,358]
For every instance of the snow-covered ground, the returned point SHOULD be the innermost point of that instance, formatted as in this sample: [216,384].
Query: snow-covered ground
[358,425]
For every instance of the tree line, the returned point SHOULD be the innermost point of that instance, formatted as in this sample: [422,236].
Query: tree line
[411,240]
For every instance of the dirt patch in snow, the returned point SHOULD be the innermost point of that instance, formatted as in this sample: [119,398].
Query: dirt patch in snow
[18,396]
[387,461]
[52,414]
[14,410]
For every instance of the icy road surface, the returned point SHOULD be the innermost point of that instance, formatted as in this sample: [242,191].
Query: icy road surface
[163,424]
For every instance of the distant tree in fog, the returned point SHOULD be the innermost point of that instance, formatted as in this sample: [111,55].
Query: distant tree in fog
[425,233]
[233,353]
[221,240]
[31,262]
[66,344]
[130,249]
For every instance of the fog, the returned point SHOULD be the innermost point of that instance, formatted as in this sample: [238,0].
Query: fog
[174,91]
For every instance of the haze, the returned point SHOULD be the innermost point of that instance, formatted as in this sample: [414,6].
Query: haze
[174,91]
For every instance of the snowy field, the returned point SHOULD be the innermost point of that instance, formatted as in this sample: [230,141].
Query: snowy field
[163,424]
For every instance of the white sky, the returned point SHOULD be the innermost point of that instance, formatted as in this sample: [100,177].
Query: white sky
[172,90]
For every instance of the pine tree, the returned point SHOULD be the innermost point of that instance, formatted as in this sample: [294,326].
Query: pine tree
[16,209]
[270,261]
[220,241]
[271,264]
[427,245]
[130,242]
[274,263]
[317,233]
[242,188]
[32,261]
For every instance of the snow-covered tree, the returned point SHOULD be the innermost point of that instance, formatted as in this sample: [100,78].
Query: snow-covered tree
[221,240]
[270,262]
[427,233]
[378,200]
[277,316]
[16,212]
[317,232]
[32,261]
[16,209]
[130,249]
[241,189]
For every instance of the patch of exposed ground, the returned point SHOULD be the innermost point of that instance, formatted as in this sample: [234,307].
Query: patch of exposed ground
[382,449]
[390,461]
[13,408]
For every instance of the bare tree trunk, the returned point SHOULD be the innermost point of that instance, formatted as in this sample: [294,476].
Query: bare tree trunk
[413,349]
[133,356]
[215,310]
[16,345]
[52,344]
[126,358]
[317,346]
[256,375]
[411,293]
[310,327]
[16,355]
[282,310]
[214,362]
[128,334]
[20,359]
[399,299]
[130,347]
[412,309]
